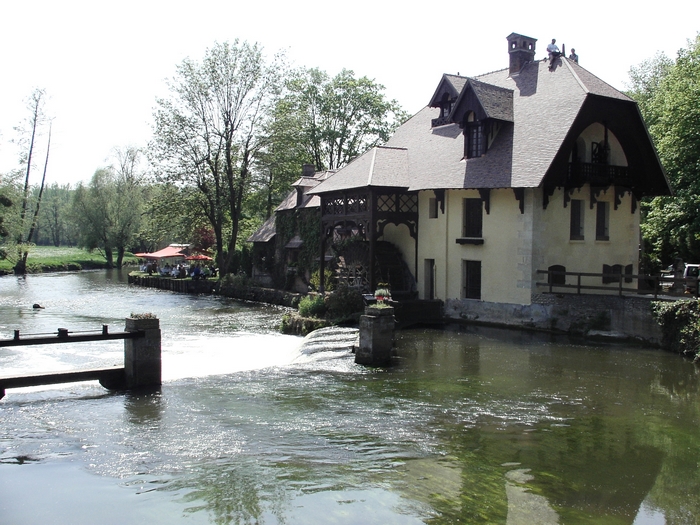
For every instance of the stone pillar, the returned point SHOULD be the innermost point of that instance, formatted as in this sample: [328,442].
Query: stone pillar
[376,336]
[142,362]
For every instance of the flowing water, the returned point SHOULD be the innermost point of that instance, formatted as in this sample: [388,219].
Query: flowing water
[470,426]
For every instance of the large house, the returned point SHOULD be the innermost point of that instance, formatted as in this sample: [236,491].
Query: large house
[504,182]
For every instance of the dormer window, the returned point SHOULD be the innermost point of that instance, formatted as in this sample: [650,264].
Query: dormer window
[445,106]
[474,139]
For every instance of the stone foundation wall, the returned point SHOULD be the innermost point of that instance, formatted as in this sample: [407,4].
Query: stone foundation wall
[587,315]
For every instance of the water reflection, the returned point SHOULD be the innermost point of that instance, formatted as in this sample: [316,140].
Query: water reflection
[474,426]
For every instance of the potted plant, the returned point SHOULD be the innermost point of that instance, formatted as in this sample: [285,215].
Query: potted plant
[382,294]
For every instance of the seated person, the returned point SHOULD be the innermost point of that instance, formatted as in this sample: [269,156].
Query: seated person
[553,50]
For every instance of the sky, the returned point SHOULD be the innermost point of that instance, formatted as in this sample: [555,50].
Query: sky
[104,64]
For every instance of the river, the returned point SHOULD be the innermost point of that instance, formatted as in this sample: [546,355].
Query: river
[250,426]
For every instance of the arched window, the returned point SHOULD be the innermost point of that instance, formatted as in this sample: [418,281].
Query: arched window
[556,275]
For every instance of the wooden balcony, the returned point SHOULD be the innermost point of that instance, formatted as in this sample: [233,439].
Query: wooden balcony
[598,175]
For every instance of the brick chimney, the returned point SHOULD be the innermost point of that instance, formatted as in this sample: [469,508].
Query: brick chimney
[308,170]
[521,50]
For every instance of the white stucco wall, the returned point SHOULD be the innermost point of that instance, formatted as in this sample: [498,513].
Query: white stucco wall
[505,254]
[552,244]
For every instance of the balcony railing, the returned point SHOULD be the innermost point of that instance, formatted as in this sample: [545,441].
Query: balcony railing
[581,173]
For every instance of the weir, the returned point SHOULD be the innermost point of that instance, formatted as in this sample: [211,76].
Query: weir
[142,358]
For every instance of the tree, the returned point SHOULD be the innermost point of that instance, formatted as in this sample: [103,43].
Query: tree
[209,131]
[337,119]
[322,121]
[54,227]
[109,209]
[669,97]
[28,219]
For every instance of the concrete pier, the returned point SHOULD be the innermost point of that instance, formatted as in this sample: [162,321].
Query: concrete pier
[376,336]
[142,359]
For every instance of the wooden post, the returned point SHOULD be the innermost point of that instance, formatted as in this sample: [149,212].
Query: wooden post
[142,356]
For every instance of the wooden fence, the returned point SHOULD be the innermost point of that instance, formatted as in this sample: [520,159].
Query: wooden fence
[657,286]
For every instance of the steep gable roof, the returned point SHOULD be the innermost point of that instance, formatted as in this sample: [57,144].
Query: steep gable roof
[537,109]
[494,102]
[450,84]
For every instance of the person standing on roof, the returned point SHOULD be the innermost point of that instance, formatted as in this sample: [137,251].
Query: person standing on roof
[573,56]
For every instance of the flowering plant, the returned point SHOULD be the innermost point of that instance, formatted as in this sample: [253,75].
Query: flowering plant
[382,294]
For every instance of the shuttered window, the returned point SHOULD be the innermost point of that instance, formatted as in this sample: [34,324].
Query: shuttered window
[473,218]
[472,279]
[576,230]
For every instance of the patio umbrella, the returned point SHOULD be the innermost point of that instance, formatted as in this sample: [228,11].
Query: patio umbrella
[198,257]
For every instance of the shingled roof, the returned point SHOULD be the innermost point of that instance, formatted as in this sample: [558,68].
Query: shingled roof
[536,108]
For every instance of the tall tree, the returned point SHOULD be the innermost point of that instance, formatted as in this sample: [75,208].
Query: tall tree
[54,225]
[29,132]
[336,119]
[209,131]
[669,97]
[109,209]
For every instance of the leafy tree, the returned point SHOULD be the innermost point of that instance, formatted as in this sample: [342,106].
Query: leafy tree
[322,121]
[109,209]
[669,97]
[168,216]
[54,227]
[210,130]
[336,119]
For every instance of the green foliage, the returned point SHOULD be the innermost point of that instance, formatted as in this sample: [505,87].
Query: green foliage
[307,224]
[235,281]
[344,303]
[312,306]
[108,210]
[209,132]
[51,259]
[668,94]
[336,119]
[295,324]
[329,280]
[680,326]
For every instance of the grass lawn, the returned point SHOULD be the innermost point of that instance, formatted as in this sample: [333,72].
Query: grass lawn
[52,259]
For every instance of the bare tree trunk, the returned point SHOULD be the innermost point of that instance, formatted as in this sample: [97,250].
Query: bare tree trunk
[35,219]
[21,265]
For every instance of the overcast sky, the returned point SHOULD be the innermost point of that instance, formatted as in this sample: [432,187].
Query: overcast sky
[103,64]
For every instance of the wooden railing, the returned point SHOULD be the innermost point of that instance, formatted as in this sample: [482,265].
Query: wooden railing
[621,284]
[142,352]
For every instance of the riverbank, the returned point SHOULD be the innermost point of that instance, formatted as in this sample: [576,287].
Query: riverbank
[45,259]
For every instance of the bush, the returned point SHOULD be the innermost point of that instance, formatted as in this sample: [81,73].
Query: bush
[344,302]
[312,306]
[680,326]
[329,280]
[238,281]
[295,324]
